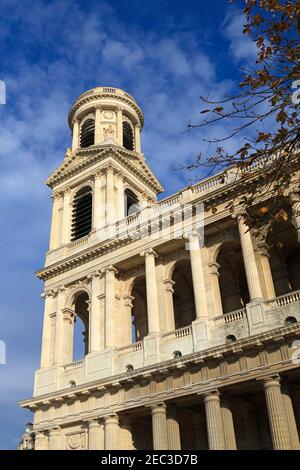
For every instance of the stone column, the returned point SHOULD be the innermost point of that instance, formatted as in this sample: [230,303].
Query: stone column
[288,405]
[55,439]
[75,136]
[95,332]
[68,334]
[152,295]
[47,350]
[111,432]
[198,276]
[127,330]
[66,217]
[95,435]
[40,441]
[55,222]
[159,427]
[276,412]
[126,442]
[137,138]
[98,129]
[173,430]
[120,202]
[214,423]
[251,428]
[266,270]
[295,201]
[98,206]
[110,306]
[119,126]
[214,279]
[59,327]
[228,426]
[110,199]
[170,317]
[251,268]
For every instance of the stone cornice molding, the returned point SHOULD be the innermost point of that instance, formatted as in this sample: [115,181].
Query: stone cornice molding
[102,385]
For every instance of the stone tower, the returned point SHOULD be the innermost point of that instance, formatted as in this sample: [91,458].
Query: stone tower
[186,345]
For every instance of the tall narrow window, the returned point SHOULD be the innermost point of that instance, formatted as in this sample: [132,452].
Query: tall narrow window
[131,203]
[127,136]
[82,213]
[87,134]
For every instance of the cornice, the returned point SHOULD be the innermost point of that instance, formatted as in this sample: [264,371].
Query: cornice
[85,158]
[201,358]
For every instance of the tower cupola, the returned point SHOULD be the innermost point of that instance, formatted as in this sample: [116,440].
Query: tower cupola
[103,116]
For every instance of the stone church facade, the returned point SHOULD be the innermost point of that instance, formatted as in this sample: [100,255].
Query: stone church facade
[190,321]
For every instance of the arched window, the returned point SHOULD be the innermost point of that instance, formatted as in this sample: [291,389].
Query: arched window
[87,133]
[82,213]
[81,327]
[131,203]
[127,136]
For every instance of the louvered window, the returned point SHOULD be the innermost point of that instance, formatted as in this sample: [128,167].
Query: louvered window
[127,136]
[82,213]
[87,134]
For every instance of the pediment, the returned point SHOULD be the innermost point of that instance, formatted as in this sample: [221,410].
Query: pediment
[74,163]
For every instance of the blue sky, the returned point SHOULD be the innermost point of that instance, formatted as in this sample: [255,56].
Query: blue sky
[165,53]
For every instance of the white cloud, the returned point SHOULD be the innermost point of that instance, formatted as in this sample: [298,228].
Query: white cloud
[241,47]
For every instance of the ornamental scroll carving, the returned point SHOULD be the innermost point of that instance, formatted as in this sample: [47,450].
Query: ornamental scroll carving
[76,441]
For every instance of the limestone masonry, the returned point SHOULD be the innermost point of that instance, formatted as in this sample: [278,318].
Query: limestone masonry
[190,323]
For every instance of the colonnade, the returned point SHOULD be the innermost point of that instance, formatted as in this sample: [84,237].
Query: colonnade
[115,431]
[102,317]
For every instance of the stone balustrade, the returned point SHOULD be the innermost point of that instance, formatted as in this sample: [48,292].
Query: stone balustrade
[240,324]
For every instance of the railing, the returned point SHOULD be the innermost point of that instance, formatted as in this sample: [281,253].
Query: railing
[230,317]
[74,365]
[176,334]
[77,243]
[208,184]
[131,348]
[285,299]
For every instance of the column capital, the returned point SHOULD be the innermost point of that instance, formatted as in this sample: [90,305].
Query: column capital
[109,269]
[94,275]
[68,315]
[214,268]
[60,289]
[149,251]
[67,191]
[191,235]
[158,407]
[92,423]
[212,395]
[271,380]
[56,196]
[112,418]
[169,284]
